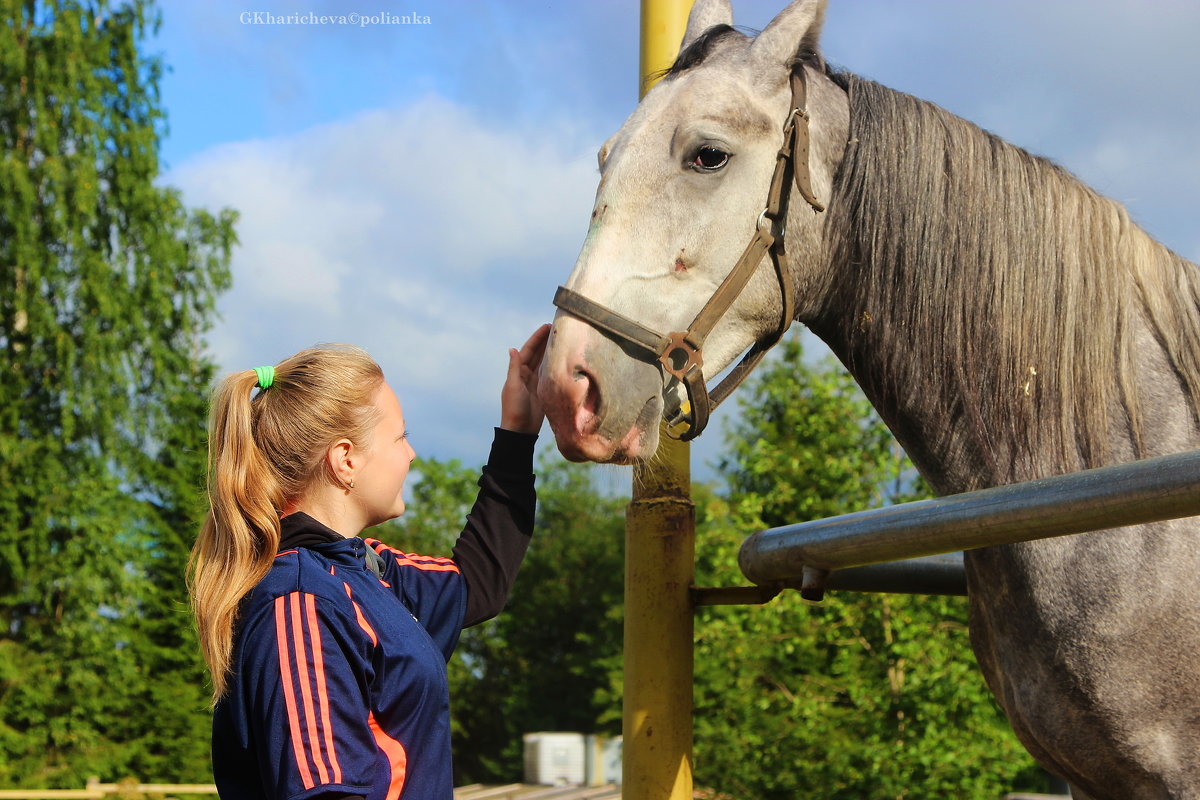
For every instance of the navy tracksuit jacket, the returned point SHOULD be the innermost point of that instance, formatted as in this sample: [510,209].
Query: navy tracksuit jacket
[339,686]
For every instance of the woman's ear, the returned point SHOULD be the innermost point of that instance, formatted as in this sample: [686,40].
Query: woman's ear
[341,458]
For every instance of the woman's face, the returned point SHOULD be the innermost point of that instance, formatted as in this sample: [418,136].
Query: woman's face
[379,480]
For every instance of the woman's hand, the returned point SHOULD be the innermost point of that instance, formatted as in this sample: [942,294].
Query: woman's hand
[520,408]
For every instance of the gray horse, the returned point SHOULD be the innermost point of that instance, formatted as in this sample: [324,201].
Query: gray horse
[1007,322]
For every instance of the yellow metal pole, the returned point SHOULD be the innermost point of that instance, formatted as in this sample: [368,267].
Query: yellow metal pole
[663,24]
[660,555]
[659,566]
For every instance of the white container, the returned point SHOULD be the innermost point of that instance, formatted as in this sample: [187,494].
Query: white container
[610,760]
[603,760]
[555,759]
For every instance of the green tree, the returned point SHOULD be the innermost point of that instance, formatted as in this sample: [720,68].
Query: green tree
[544,664]
[862,696]
[442,494]
[107,286]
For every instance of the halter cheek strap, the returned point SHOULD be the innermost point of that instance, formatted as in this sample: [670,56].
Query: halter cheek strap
[680,353]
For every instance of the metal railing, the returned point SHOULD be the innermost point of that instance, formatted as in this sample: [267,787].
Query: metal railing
[1156,489]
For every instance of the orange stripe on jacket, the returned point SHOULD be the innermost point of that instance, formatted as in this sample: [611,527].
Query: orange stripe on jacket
[396,757]
[310,715]
[306,687]
[428,563]
[407,562]
[362,620]
[314,633]
[366,626]
[379,546]
[289,693]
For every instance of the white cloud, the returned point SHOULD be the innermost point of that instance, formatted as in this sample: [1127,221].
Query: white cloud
[427,235]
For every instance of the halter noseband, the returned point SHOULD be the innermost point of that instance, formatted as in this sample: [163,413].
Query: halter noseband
[679,353]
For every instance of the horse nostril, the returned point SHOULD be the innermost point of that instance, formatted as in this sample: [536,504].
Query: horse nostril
[584,400]
[591,401]
[590,396]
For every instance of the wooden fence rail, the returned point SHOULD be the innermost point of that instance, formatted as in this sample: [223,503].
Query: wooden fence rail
[128,789]
[95,790]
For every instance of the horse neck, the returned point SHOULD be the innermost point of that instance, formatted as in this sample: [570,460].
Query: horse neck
[955,446]
[990,305]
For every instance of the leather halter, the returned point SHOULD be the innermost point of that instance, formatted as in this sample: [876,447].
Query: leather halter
[679,353]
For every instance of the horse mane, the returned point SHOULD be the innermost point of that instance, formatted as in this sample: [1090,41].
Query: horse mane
[1001,279]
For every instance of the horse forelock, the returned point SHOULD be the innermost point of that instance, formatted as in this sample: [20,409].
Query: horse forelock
[695,53]
[710,41]
[1000,279]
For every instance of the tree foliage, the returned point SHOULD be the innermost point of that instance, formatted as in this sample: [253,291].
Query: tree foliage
[107,285]
[861,696]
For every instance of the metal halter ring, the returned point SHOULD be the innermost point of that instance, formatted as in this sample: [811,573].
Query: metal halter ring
[678,344]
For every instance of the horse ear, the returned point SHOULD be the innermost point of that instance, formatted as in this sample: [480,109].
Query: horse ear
[795,30]
[706,14]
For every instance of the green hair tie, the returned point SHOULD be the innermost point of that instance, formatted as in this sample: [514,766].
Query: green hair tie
[266,376]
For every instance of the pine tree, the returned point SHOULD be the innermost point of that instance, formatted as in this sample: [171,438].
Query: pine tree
[107,286]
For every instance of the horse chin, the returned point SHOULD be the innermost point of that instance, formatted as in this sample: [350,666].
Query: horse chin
[631,448]
[591,420]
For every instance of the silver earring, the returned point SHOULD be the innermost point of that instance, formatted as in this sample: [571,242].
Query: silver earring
[351,484]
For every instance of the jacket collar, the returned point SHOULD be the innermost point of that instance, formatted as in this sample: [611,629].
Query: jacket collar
[300,530]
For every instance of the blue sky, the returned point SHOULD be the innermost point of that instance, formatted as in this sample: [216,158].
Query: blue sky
[421,189]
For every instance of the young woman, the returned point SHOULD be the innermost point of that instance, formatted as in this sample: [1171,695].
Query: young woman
[327,651]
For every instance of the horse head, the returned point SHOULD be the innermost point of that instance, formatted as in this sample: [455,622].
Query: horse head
[683,186]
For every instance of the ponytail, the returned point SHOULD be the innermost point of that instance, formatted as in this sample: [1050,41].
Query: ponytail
[263,453]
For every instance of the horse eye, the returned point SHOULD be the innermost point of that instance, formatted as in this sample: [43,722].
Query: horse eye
[710,159]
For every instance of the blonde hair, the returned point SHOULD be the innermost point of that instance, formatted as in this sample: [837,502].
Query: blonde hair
[264,452]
